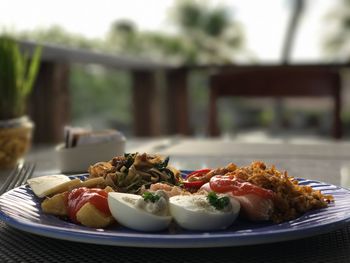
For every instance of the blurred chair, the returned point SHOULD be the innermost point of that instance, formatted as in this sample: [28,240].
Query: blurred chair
[275,82]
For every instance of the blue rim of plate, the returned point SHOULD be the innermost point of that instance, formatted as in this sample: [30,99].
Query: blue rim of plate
[20,209]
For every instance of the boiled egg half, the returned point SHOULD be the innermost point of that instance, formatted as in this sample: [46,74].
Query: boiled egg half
[194,212]
[133,212]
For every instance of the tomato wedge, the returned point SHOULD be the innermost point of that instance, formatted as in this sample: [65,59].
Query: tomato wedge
[224,184]
[196,179]
[193,184]
[198,173]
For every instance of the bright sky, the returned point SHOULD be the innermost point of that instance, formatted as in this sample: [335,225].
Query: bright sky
[264,21]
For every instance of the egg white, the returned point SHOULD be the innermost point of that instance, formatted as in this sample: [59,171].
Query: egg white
[127,214]
[193,217]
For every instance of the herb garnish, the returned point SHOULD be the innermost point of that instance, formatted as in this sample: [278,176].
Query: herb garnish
[218,202]
[148,196]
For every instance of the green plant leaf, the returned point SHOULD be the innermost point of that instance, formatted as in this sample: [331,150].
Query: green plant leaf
[32,71]
[17,77]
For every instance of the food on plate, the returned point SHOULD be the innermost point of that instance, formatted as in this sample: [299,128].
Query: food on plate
[255,208]
[256,202]
[170,190]
[204,212]
[89,206]
[79,203]
[256,182]
[50,185]
[89,215]
[143,192]
[56,205]
[196,179]
[67,186]
[133,173]
[41,185]
[149,212]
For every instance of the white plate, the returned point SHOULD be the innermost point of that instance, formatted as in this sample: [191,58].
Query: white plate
[20,209]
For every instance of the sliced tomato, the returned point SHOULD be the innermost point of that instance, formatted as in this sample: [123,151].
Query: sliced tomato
[196,179]
[224,184]
[193,184]
[198,173]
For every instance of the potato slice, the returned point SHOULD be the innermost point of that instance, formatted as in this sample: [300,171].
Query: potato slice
[63,187]
[55,205]
[108,189]
[89,215]
[90,183]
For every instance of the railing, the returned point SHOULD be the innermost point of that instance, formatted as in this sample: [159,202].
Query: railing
[50,102]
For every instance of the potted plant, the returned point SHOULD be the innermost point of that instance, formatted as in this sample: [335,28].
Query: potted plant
[17,76]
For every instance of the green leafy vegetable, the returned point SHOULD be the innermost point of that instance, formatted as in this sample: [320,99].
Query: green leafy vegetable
[171,175]
[130,158]
[148,196]
[163,165]
[218,202]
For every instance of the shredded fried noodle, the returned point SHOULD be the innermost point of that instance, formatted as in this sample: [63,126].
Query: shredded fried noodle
[291,199]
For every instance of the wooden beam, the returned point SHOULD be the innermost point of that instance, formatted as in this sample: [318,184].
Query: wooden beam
[144,102]
[50,105]
[337,122]
[64,54]
[177,121]
[213,126]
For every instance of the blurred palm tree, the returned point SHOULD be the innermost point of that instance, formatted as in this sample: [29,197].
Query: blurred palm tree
[337,40]
[206,35]
[297,7]
[210,31]
[124,37]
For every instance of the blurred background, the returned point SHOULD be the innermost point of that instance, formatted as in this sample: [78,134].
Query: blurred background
[106,51]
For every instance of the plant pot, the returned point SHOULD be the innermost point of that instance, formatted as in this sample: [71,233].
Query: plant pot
[15,140]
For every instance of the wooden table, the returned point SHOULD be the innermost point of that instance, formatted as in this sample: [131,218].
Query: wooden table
[324,161]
